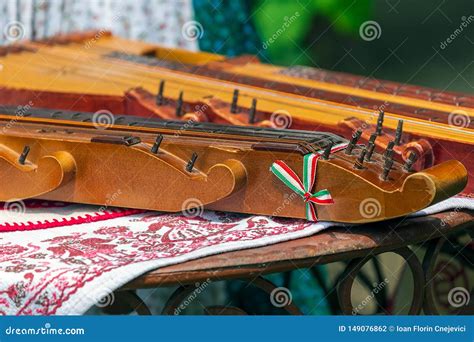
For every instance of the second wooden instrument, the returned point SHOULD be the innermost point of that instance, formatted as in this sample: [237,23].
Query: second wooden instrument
[178,166]
[97,71]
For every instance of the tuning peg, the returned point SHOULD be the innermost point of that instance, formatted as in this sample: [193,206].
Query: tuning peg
[353,142]
[159,97]
[398,133]
[156,145]
[252,111]
[191,162]
[378,130]
[359,163]
[23,155]
[371,147]
[327,151]
[409,162]
[179,105]
[389,151]
[235,98]
[386,168]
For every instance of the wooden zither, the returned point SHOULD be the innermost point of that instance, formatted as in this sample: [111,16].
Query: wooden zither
[93,72]
[179,166]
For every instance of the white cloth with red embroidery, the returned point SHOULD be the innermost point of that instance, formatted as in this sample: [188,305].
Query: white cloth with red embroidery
[87,252]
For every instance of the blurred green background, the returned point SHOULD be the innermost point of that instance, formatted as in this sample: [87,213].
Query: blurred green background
[326,34]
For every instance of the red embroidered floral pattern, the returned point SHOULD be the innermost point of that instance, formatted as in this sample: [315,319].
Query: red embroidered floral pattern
[43,270]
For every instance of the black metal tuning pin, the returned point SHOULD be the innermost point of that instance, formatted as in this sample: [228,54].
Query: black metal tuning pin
[191,162]
[353,142]
[378,129]
[156,145]
[235,99]
[179,105]
[159,98]
[387,167]
[24,155]
[409,162]
[371,147]
[389,151]
[327,151]
[252,111]
[398,132]
[359,163]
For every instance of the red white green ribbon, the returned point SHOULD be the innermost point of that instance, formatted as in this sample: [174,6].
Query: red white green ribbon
[303,188]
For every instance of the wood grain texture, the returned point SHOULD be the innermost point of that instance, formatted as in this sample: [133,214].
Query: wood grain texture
[231,172]
[325,247]
[91,72]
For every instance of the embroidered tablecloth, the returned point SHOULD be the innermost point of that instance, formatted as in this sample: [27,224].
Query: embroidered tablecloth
[85,252]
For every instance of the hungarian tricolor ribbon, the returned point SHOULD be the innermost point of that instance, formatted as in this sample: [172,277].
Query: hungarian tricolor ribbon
[303,188]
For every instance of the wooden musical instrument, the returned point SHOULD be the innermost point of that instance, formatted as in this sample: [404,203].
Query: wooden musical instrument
[98,72]
[180,166]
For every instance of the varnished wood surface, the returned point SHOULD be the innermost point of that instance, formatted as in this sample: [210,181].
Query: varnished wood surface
[438,125]
[214,76]
[231,174]
[112,70]
[334,244]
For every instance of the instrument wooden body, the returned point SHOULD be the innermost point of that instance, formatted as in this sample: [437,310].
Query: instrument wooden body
[98,72]
[70,158]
